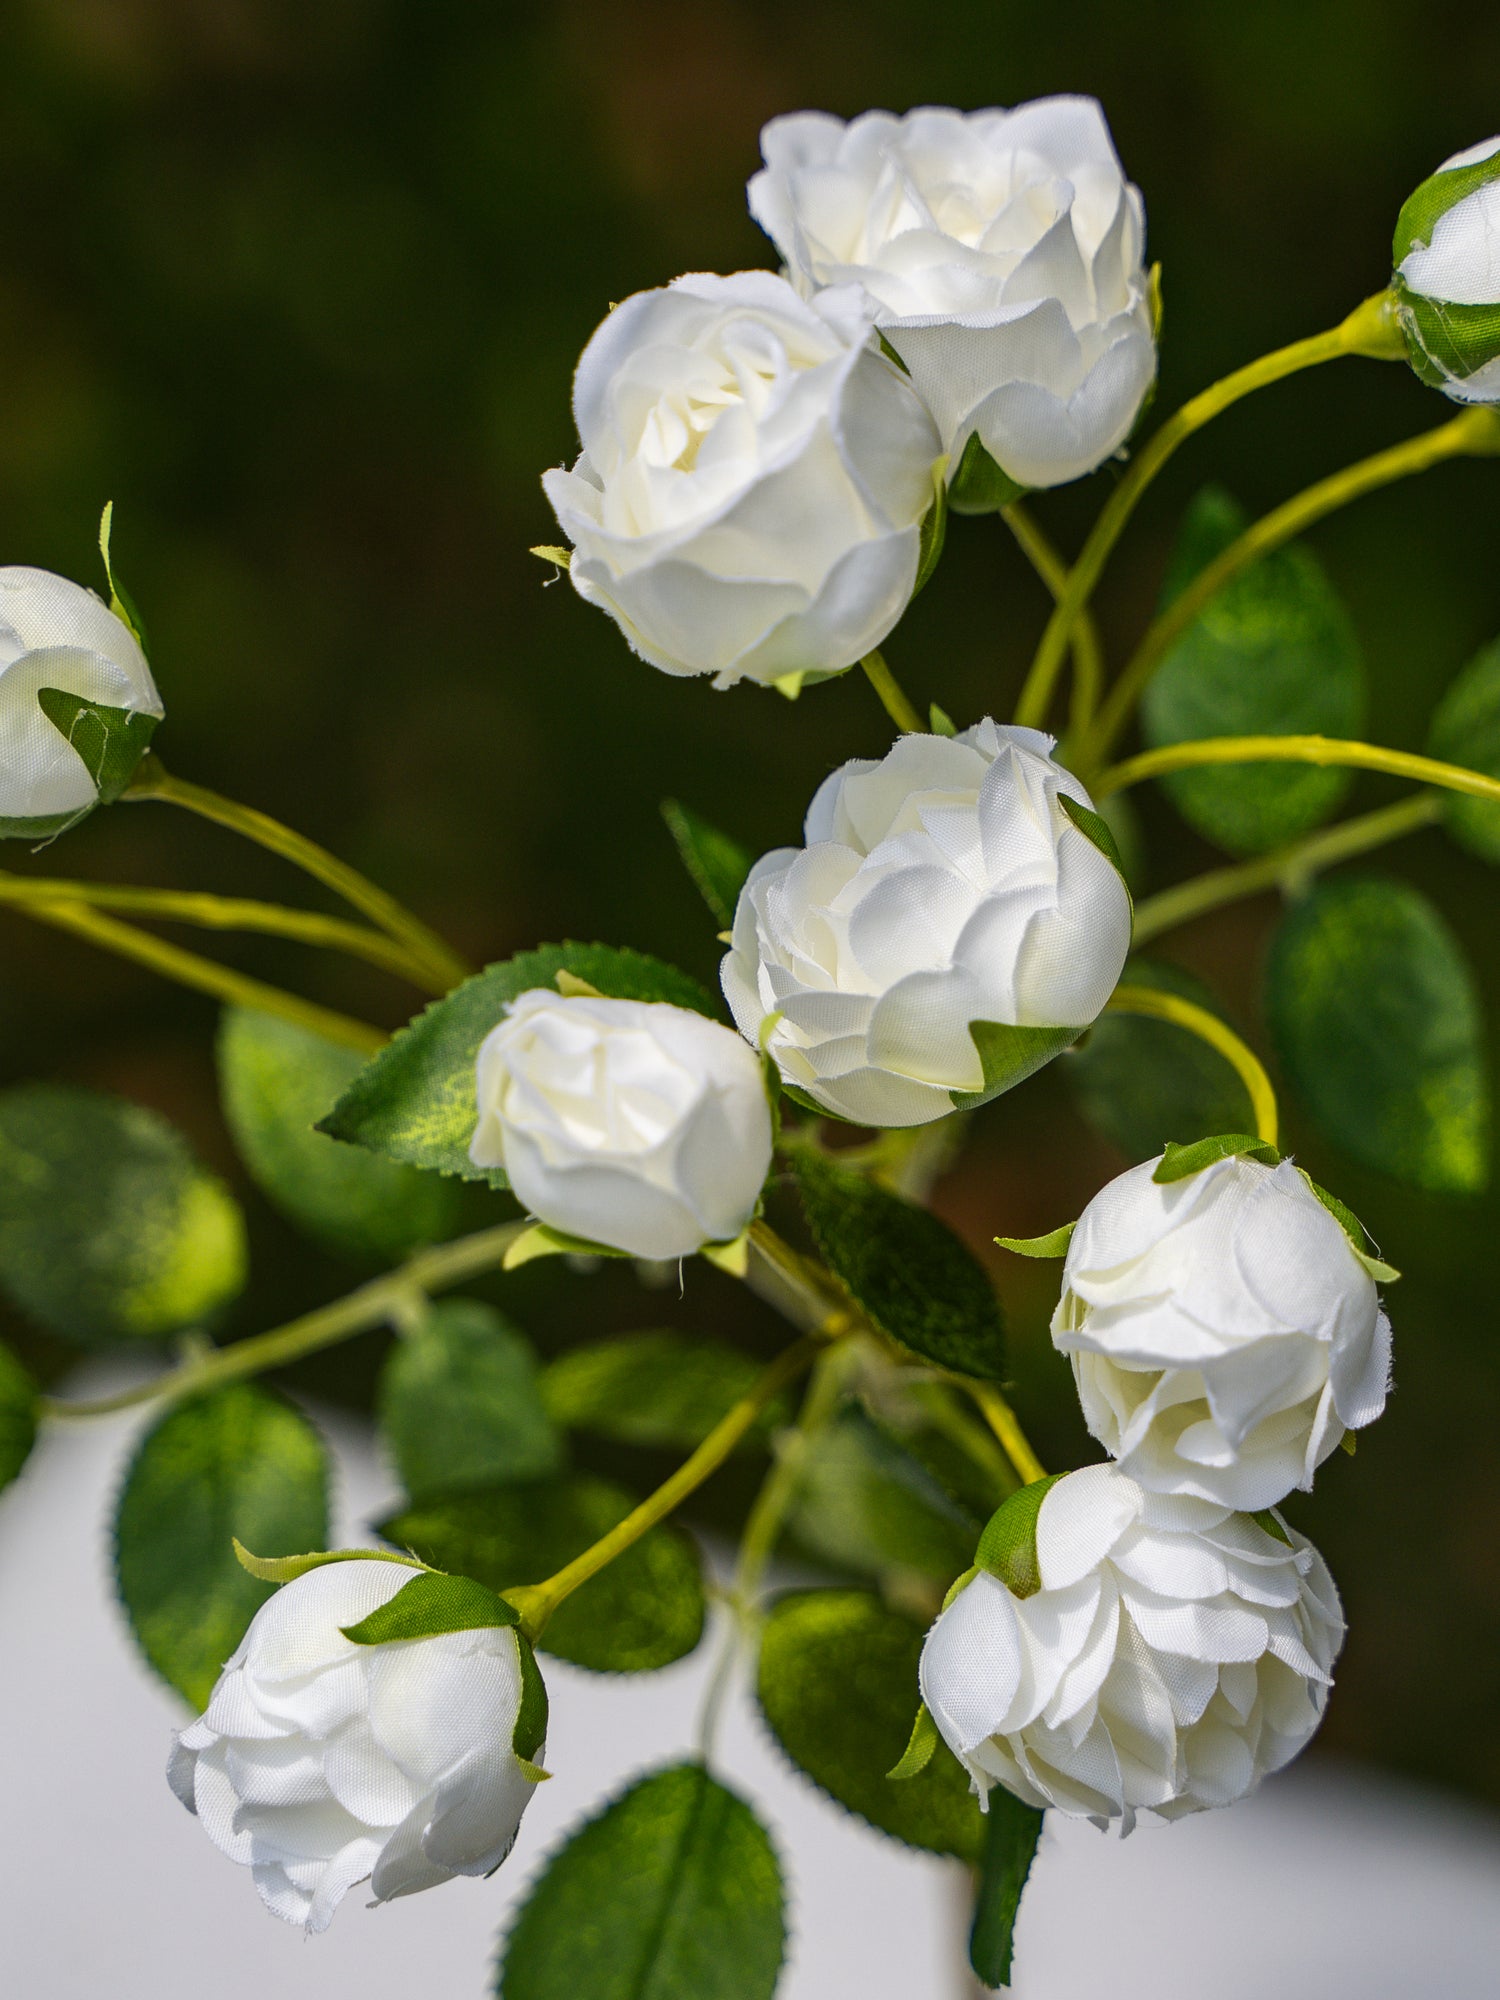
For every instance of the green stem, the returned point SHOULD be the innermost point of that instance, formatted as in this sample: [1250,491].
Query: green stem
[1287,867]
[1004,1422]
[153,781]
[1295,750]
[204,975]
[1088,654]
[428,1271]
[225,913]
[1476,432]
[892,696]
[1370,329]
[1158,1005]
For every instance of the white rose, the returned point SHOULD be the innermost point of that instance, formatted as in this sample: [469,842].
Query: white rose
[1447,282]
[1223,1332]
[1173,1655]
[754,477]
[942,887]
[56,634]
[320,1763]
[629,1122]
[1004,253]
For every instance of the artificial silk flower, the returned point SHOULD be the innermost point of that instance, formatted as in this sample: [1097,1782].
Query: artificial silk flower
[632,1123]
[948,927]
[1167,1656]
[1223,1331]
[754,479]
[1447,282]
[1003,254]
[320,1763]
[56,638]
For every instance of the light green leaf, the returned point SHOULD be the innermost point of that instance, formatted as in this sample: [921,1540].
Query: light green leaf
[276,1080]
[109,1228]
[664,1390]
[1141,1082]
[672,1892]
[1180,1163]
[234,1466]
[837,1684]
[1274,653]
[415,1101]
[18,1409]
[643,1610]
[909,1272]
[1011,1832]
[1466,730]
[1007,1548]
[1008,1055]
[1373,1009]
[863,1503]
[460,1403]
[430,1605]
[717,864]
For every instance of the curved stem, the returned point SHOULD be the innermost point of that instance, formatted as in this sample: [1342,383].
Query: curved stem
[204,975]
[1003,1421]
[153,781]
[1287,867]
[1157,1005]
[1088,654]
[1474,432]
[428,1271]
[1295,750]
[224,913]
[1370,329]
[892,696]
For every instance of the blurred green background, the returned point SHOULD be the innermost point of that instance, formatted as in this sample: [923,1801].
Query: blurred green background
[301,287]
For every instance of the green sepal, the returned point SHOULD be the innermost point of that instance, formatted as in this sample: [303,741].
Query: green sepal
[1266,1517]
[1180,1163]
[959,1585]
[19,1402]
[980,486]
[934,527]
[1094,827]
[543,1241]
[717,863]
[1354,1229]
[1423,208]
[111,741]
[1008,1055]
[552,553]
[940,722]
[530,1732]
[286,1569]
[119,598]
[1007,1548]
[1012,1830]
[1053,1244]
[919,1750]
[1445,343]
[1349,1443]
[430,1605]
[732,1256]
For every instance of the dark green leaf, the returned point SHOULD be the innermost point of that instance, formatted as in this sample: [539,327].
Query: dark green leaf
[1180,1163]
[662,1390]
[643,1610]
[672,1892]
[109,1228]
[1011,1832]
[980,486]
[1373,1009]
[1466,730]
[1274,653]
[236,1465]
[865,1504]
[837,1685]
[909,1272]
[276,1080]
[1009,1055]
[415,1101]
[1007,1548]
[429,1605]
[717,864]
[18,1401]
[1141,1082]
[460,1403]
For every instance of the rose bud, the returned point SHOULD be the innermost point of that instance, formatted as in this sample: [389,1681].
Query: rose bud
[1447,282]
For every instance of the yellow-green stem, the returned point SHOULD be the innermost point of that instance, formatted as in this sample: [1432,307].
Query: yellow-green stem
[892,696]
[1088,654]
[1370,329]
[1157,1005]
[1475,432]
[428,1271]
[204,975]
[1295,750]
[1003,1421]
[1288,867]
[153,781]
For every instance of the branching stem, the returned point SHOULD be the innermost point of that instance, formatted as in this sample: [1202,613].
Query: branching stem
[1295,750]
[1088,654]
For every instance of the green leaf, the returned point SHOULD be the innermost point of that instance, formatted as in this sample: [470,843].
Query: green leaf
[1180,1163]
[276,1080]
[980,486]
[1141,1082]
[1274,653]
[1373,1010]
[717,864]
[109,1228]
[672,1892]
[665,1390]
[837,1683]
[415,1101]
[1053,1244]
[863,1503]
[641,1611]
[18,1411]
[1007,1548]
[461,1405]
[236,1465]
[1011,1832]
[909,1272]
[429,1605]
[1466,730]
[1009,1055]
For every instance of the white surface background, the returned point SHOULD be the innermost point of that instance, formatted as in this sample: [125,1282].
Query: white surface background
[1330,1885]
